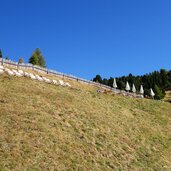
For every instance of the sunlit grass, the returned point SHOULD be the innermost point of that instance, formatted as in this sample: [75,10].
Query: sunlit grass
[48,127]
[168,96]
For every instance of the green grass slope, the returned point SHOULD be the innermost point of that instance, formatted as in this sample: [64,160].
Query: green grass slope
[47,127]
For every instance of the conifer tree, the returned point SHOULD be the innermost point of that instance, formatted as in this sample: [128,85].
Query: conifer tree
[163,76]
[158,92]
[34,60]
[21,60]
[98,79]
[37,58]
[0,53]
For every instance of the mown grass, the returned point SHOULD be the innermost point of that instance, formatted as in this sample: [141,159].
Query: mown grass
[48,127]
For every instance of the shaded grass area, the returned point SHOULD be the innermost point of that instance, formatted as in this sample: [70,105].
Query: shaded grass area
[47,127]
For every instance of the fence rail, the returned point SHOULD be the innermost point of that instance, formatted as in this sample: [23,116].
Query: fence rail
[17,65]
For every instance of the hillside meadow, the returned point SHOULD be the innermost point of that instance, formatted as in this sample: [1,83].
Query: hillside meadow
[167,97]
[45,127]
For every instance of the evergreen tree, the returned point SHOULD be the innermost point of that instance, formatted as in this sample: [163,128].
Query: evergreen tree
[159,94]
[21,60]
[169,80]
[163,75]
[37,58]
[120,84]
[0,53]
[98,79]
[110,82]
[34,60]
[105,81]
[42,61]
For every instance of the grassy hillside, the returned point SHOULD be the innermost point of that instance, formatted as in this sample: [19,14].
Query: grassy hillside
[47,127]
[168,96]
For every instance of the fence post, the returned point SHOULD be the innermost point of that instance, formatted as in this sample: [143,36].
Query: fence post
[18,66]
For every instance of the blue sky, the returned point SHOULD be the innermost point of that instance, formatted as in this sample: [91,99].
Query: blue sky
[89,37]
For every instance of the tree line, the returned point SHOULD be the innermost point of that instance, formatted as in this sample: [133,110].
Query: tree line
[159,81]
[36,58]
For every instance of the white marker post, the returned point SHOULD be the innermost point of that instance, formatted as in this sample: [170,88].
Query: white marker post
[133,88]
[142,91]
[114,83]
[152,93]
[127,88]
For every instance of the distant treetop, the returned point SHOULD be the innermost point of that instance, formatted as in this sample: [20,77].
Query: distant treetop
[37,58]
[21,60]
[0,53]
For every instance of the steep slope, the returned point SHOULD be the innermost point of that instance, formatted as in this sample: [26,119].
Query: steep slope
[168,96]
[48,127]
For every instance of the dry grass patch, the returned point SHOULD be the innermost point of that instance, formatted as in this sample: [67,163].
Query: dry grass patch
[168,96]
[48,127]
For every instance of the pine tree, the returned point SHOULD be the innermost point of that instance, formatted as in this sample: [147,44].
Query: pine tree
[159,94]
[110,82]
[0,53]
[169,80]
[37,58]
[163,76]
[21,60]
[120,84]
[98,79]
[42,61]
[34,60]
[105,81]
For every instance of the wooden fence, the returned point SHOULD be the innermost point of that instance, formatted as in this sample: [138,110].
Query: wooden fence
[39,69]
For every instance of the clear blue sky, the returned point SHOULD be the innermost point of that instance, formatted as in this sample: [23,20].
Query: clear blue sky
[89,37]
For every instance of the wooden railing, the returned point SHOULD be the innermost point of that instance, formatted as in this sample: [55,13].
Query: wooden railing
[17,65]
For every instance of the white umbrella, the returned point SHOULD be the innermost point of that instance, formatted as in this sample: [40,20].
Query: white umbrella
[127,88]
[133,88]
[141,90]
[114,83]
[152,92]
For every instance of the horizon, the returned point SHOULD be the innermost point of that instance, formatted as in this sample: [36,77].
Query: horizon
[84,39]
